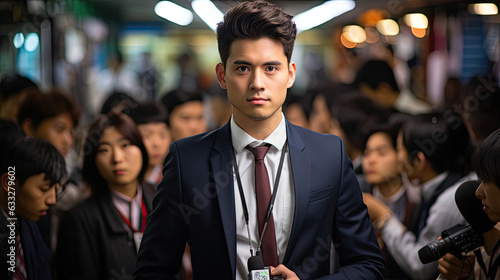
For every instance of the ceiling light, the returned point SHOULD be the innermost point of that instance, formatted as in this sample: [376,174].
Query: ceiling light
[174,13]
[18,40]
[484,9]
[354,33]
[388,27]
[322,13]
[416,20]
[419,32]
[31,42]
[346,43]
[208,12]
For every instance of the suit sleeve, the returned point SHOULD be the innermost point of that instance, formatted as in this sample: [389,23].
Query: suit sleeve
[360,256]
[164,239]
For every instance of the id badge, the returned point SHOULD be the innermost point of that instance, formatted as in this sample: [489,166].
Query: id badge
[138,239]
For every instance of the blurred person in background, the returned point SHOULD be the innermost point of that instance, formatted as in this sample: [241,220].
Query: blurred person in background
[13,91]
[431,149]
[376,81]
[220,107]
[381,169]
[34,171]
[185,113]
[151,120]
[481,107]
[116,78]
[99,238]
[118,102]
[53,116]
[352,116]
[295,110]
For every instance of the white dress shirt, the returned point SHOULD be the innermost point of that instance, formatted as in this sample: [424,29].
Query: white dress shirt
[285,198]
[130,208]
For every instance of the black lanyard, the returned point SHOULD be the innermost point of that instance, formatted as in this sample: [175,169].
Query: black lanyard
[493,267]
[271,203]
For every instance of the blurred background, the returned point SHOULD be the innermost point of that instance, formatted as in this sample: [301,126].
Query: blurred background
[172,44]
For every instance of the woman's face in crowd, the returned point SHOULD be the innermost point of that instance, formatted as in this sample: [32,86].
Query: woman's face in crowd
[118,161]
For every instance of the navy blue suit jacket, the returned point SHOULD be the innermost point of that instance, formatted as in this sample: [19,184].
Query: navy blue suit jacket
[195,202]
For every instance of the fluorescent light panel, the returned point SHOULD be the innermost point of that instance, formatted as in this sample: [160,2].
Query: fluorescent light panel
[322,13]
[485,9]
[174,13]
[208,12]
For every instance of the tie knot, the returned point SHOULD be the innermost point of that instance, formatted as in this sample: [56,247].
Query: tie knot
[258,152]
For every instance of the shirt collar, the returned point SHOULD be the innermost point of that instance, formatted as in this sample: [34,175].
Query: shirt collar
[241,139]
[124,198]
[430,186]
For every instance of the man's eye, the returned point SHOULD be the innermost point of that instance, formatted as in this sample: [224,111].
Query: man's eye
[271,68]
[242,68]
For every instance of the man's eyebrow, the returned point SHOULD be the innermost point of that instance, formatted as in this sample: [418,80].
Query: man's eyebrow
[273,62]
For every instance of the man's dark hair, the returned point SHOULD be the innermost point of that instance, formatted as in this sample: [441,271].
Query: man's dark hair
[124,125]
[486,158]
[32,156]
[482,106]
[178,97]
[118,102]
[389,129]
[442,138]
[255,20]
[375,72]
[11,84]
[148,113]
[41,106]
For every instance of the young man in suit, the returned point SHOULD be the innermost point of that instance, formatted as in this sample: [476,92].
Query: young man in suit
[31,174]
[207,177]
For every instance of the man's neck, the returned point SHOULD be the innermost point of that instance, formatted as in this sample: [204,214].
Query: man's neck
[259,129]
[390,187]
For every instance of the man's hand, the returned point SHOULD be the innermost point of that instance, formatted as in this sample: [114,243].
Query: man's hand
[452,267]
[376,208]
[282,270]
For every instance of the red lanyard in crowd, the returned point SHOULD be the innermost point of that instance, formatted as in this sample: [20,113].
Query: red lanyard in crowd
[143,220]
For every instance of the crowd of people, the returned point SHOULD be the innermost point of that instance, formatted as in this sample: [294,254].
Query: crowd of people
[82,198]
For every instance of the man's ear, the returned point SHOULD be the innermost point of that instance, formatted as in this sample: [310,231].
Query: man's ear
[292,71]
[221,75]
[5,181]
[419,161]
[27,127]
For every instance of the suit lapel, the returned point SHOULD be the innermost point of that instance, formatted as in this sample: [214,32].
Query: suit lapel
[222,167]
[301,171]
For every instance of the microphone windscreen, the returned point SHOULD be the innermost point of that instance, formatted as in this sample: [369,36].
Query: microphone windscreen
[255,263]
[471,207]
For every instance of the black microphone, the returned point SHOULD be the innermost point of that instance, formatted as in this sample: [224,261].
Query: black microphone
[461,238]
[257,270]
[471,207]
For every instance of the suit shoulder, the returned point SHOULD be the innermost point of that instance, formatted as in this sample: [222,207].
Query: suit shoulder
[196,140]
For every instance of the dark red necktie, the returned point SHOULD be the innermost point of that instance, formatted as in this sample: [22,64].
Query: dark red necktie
[263,192]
